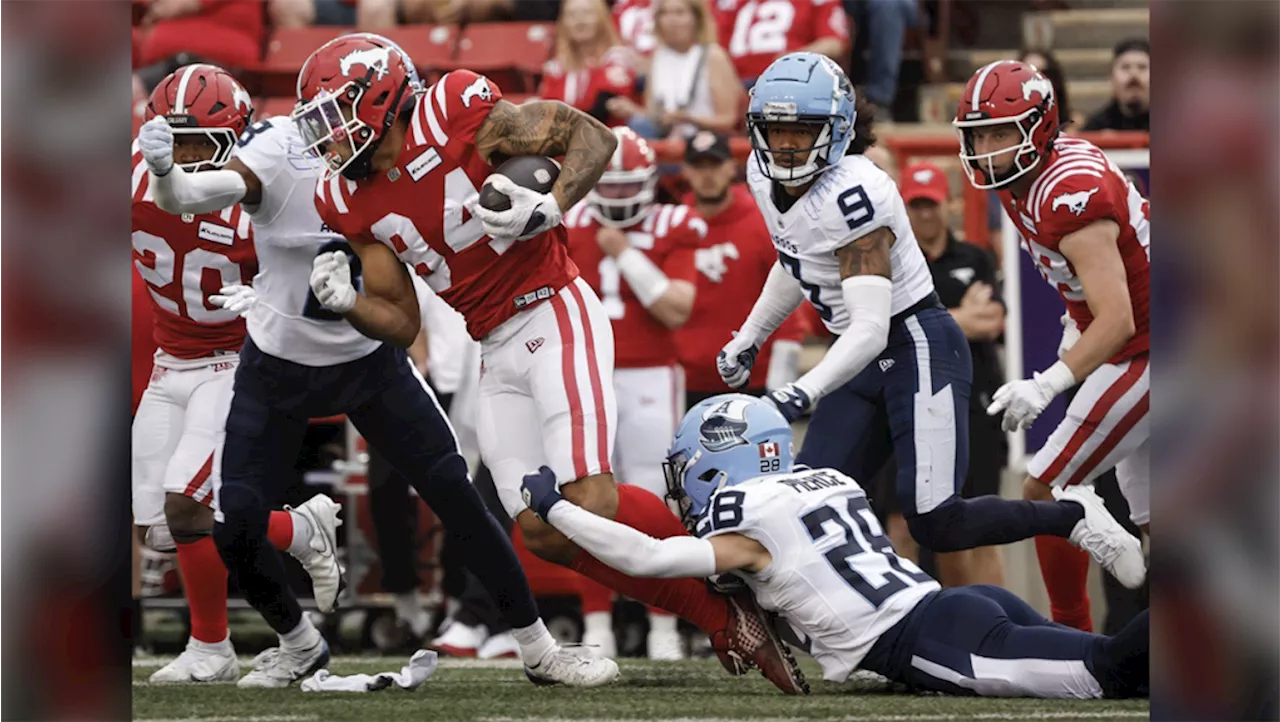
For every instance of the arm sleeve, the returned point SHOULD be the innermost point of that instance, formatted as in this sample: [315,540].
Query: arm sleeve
[869,299]
[630,551]
[181,192]
[780,296]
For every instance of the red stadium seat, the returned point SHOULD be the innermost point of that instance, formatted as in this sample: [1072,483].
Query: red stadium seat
[287,50]
[431,46]
[511,54]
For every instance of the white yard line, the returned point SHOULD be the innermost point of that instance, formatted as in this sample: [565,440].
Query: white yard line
[392,663]
[881,718]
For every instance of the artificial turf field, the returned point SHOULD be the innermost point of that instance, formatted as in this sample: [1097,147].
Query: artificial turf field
[685,691]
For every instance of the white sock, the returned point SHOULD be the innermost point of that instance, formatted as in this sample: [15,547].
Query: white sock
[597,623]
[222,647]
[303,636]
[662,623]
[535,643]
[301,541]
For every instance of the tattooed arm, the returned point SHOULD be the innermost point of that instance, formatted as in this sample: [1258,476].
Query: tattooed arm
[550,128]
[868,297]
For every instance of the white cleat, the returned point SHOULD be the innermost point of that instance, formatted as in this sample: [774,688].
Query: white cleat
[573,668]
[499,645]
[320,558]
[601,643]
[279,667]
[200,663]
[665,645]
[1118,551]
[460,640]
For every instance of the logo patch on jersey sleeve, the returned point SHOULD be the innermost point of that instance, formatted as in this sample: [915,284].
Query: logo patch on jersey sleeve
[215,233]
[478,89]
[1075,202]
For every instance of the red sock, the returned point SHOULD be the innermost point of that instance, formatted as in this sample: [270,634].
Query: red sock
[596,597]
[204,581]
[280,530]
[687,598]
[1065,569]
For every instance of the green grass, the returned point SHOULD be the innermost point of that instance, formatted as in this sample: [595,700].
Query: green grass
[693,690]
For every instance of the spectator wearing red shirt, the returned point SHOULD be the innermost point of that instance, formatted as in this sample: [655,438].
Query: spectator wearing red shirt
[591,65]
[228,33]
[634,21]
[756,32]
[732,265]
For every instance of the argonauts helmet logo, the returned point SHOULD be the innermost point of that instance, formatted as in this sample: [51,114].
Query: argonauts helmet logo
[724,426]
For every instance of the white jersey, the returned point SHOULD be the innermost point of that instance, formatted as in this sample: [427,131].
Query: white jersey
[834,575]
[288,321]
[450,349]
[845,203]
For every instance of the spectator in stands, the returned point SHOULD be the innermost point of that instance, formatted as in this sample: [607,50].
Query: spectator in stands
[591,65]
[634,20]
[305,13]
[757,32]
[692,85]
[1129,108]
[1047,63]
[733,263]
[877,50]
[965,279]
[229,33]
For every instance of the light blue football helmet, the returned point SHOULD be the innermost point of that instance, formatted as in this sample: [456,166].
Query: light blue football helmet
[802,88]
[724,441]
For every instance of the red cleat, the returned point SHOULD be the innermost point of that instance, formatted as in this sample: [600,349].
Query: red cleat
[751,641]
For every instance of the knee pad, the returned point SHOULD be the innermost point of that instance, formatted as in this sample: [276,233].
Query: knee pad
[932,530]
[159,539]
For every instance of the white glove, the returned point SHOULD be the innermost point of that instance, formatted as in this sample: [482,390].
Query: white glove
[1023,401]
[237,298]
[710,262]
[331,281]
[530,213]
[736,359]
[1070,334]
[155,140]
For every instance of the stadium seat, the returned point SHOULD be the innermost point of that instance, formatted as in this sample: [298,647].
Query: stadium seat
[511,54]
[287,50]
[431,46]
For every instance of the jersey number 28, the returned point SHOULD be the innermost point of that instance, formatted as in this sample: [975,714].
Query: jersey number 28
[864,540]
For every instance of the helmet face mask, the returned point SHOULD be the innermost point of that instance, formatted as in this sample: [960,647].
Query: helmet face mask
[801,89]
[1013,94]
[798,165]
[206,109]
[330,129]
[221,141]
[625,191]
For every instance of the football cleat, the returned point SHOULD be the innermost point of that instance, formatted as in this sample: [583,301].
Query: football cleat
[200,663]
[1098,533]
[601,643]
[575,667]
[320,559]
[751,640]
[499,645]
[279,667]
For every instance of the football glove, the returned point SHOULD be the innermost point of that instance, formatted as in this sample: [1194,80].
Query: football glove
[155,140]
[237,298]
[539,492]
[530,213]
[331,281]
[1023,401]
[736,359]
[791,401]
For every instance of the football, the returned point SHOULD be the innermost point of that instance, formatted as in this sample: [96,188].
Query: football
[534,172]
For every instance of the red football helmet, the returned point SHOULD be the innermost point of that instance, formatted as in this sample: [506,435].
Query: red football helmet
[203,100]
[625,190]
[1006,92]
[350,90]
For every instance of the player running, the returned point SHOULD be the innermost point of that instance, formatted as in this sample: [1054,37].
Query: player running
[401,184]
[1088,230]
[897,379]
[807,543]
[638,257]
[302,361]
[178,430]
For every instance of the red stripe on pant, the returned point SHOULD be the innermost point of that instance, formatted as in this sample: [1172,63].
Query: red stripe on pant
[200,478]
[571,386]
[1122,429]
[597,389]
[1101,408]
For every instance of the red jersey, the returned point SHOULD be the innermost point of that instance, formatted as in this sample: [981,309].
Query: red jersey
[757,32]
[634,20]
[582,88]
[418,209]
[185,259]
[1078,186]
[721,306]
[669,235]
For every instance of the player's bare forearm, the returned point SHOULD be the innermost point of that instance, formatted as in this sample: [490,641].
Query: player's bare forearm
[550,128]
[867,256]
[419,351]
[1096,260]
[388,308]
[675,306]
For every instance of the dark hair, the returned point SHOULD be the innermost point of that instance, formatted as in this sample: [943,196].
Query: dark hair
[863,136]
[1142,45]
[1053,71]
